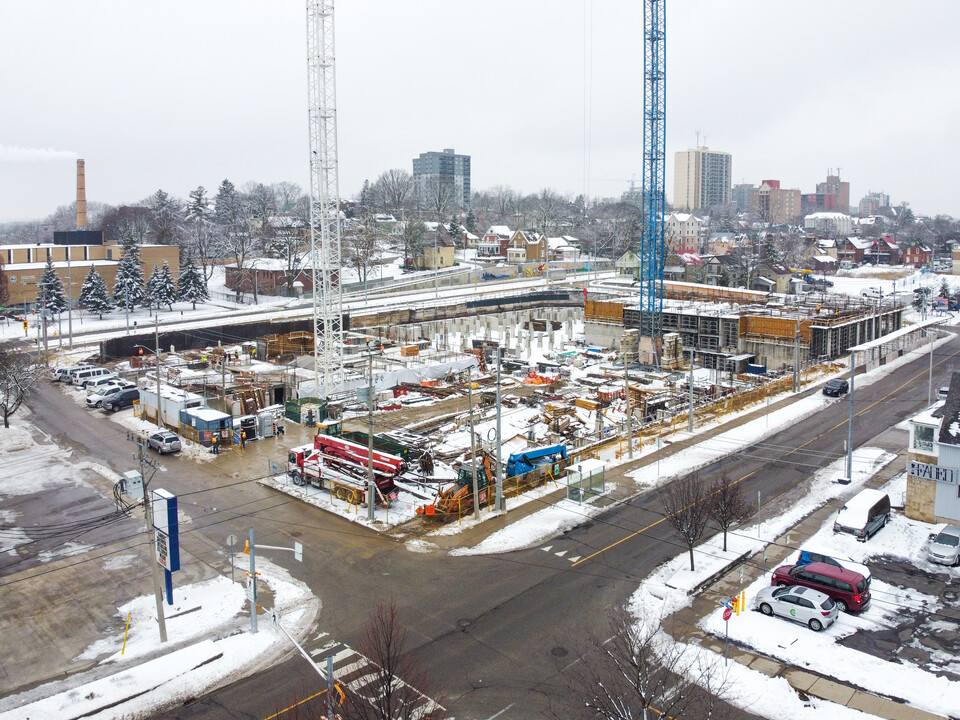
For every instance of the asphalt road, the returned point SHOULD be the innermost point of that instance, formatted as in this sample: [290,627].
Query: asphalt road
[494,632]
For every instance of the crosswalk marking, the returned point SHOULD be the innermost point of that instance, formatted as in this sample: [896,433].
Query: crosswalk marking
[348,662]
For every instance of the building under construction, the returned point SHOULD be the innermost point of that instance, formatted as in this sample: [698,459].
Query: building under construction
[729,329]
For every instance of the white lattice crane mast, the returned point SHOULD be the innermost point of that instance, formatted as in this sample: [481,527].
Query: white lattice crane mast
[324,199]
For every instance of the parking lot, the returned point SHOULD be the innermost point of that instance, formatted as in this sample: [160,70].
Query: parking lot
[904,646]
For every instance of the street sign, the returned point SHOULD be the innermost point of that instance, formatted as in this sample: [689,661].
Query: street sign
[727,613]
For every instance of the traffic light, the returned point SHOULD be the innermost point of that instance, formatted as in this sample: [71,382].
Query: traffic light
[140,351]
[25,325]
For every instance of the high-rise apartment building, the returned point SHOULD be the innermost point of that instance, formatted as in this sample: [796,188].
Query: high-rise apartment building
[701,179]
[740,197]
[447,169]
[873,203]
[774,204]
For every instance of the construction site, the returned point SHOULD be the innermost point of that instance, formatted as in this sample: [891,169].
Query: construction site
[425,407]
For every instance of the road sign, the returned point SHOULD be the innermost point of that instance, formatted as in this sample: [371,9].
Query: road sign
[727,613]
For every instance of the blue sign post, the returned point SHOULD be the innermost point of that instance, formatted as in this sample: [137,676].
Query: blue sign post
[166,525]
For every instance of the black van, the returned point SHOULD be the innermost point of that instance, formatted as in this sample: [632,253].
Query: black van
[863,514]
[120,399]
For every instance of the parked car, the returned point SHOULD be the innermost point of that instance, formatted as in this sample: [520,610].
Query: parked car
[945,546]
[848,589]
[164,441]
[872,292]
[922,290]
[809,554]
[795,602]
[863,514]
[942,393]
[120,399]
[96,396]
[836,387]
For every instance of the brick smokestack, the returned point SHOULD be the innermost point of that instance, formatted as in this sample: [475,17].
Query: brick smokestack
[81,197]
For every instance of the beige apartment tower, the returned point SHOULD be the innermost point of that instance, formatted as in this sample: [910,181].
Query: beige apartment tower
[701,179]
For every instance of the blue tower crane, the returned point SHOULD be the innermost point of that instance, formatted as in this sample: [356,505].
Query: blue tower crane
[651,254]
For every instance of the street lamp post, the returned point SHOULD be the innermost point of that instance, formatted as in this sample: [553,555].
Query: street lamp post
[159,378]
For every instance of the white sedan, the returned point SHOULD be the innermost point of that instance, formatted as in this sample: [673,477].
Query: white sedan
[794,602]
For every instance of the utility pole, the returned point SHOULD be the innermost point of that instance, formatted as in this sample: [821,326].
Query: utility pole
[156,338]
[151,531]
[252,585]
[499,505]
[626,389]
[69,302]
[371,399]
[796,352]
[853,367]
[473,451]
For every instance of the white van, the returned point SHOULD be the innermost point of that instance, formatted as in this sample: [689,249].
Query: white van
[864,514]
[92,385]
[82,377]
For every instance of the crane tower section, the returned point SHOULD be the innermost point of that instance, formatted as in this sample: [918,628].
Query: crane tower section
[654,133]
[324,199]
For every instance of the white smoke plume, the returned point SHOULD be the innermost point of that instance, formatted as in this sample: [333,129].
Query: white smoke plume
[16,153]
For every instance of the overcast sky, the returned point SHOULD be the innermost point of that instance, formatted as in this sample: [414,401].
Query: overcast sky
[178,94]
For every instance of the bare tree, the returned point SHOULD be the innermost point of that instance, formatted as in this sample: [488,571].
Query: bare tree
[685,504]
[362,248]
[393,190]
[202,241]
[633,671]
[727,505]
[400,689]
[18,377]
[437,197]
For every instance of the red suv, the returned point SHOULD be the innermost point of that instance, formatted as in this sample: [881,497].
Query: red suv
[847,588]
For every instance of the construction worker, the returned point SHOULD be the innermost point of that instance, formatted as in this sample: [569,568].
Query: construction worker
[243,439]
[215,443]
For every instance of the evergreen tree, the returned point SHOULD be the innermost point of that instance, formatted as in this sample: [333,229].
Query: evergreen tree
[166,288]
[94,295]
[160,287]
[151,287]
[193,285]
[50,294]
[945,291]
[471,221]
[128,292]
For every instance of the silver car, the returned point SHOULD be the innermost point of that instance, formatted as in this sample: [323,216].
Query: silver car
[945,546]
[164,441]
[794,602]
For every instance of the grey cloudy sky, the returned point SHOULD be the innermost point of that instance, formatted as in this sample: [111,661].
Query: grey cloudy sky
[178,94]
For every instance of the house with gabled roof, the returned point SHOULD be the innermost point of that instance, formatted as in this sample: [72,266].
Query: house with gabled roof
[494,242]
[527,246]
[774,277]
[882,251]
[722,270]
